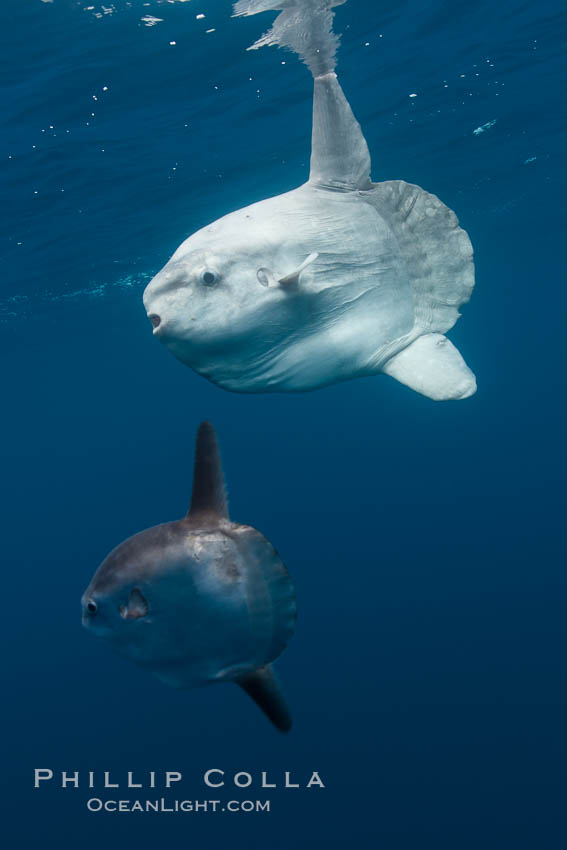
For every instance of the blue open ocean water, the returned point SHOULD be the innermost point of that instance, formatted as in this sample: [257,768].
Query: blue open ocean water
[426,541]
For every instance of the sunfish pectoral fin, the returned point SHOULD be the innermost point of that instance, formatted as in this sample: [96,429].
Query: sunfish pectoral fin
[264,688]
[432,366]
[137,606]
[292,280]
[209,492]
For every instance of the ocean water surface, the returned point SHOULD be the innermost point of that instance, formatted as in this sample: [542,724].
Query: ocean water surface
[426,541]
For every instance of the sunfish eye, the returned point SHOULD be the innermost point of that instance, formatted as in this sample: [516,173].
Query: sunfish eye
[208,277]
[92,607]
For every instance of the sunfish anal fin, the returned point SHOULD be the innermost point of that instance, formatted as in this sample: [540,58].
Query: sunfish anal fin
[209,492]
[340,159]
[432,366]
[263,687]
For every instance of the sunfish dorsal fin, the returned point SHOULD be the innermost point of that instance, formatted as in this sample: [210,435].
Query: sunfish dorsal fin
[209,492]
[340,159]
[339,154]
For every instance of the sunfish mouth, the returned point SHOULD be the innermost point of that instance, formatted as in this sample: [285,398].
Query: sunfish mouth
[155,320]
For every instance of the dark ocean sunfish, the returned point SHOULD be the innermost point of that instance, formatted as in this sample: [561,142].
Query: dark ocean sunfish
[337,279]
[199,600]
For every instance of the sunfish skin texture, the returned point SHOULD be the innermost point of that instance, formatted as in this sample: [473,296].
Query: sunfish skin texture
[198,600]
[249,337]
[337,279]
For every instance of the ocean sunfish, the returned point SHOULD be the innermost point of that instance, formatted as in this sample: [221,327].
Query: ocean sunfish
[337,279]
[199,600]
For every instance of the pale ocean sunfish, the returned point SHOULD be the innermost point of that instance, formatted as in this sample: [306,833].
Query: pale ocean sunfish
[337,279]
[199,600]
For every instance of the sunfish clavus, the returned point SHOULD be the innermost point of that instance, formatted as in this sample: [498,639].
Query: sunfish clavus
[199,600]
[337,279]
